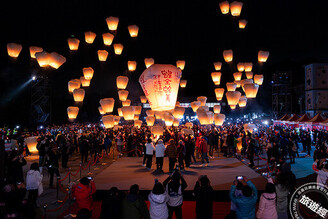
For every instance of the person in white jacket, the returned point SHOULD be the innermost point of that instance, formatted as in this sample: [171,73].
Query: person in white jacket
[322,172]
[158,199]
[33,184]
[267,206]
[149,153]
[159,151]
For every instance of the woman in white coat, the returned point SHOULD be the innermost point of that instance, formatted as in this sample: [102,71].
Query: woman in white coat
[33,184]
[267,206]
[160,152]
[158,198]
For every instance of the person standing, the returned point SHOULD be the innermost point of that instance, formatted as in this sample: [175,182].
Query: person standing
[84,148]
[160,151]
[83,192]
[251,150]
[203,149]
[204,198]
[53,164]
[267,205]
[149,153]
[181,154]
[158,199]
[15,166]
[171,151]
[33,184]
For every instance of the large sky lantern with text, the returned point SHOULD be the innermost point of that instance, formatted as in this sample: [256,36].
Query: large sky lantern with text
[169,119]
[251,89]
[237,76]
[224,7]
[216,108]
[233,98]
[160,83]
[231,86]
[88,73]
[219,119]
[195,105]
[181,64]
[123,95]
[101,111]
[219,92]
[150,120]
[217,66]
[122,82]
[242,23]
[248,66]
[107,104]
[202,100]
[14,49]
[89,37]
[263,56]
[33,50]
[258,79]
[149,62]
[178,112]
[132,65]
[128,112]
[43,58]
[102,55]
[108,121]
[112,23]
[183,83]
[133,30]
[73,84]
[126,102]
[216,77]
[137,123]
[56,60]
[143,99]
[228,55]
[137,110]
[78,95]
[240,66]
[107,39]
[72,112]
[31,143]
[73,43]
[118,48]
[235,8]
[242,101]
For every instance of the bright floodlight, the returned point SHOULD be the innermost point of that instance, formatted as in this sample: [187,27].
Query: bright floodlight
[33,78]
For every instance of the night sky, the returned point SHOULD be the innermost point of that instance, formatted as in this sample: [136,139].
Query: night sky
[293,31]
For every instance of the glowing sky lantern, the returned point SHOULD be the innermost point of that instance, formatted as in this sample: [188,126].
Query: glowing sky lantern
[183,83]
[203,109]
[108,38]
[89,37]
[249,127]
[206,118]
[251,90]
[136,117]
[128,112]
[228,55]
[133,30]
[217,66]
[181,64]
[263,56]
[78,95]
[159,114]
[176,122]
[56,60]
[72,85]
[195,105]
[143,99]
[231,86]
[150,113]
[149,62]
[14,49]
[178,112]
[248,66]
[240,66]
[189,125]
[137,110]
[108,121]
[242,24]
[117,119]
[216,108]
[102,55]
[238,83]
[101,111]
[150,120]
[107,104]
[157,131]
[219,93]
[31,143]
[219,119]
[177,103]
[216,77]
[137,123]
[119,112]
[112,23]
[202,100]
[42,58]
[160,84]
[118,48]
[235,8]
[123,95]
[72,112]
[168,118]
[33,50]
[122,82]
[224,7]
[237,76]
[245,81]
[88,73]
[126,102]
[233,98]
[258,79]
[249,75]
[132,65]
[73,43]
[242,101]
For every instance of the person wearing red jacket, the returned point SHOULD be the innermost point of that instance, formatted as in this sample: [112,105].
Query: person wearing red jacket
[203,148]
[83,192]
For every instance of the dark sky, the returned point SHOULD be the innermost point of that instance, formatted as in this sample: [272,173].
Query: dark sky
[293,31]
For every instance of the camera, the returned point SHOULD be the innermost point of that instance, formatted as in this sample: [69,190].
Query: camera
[239,177]
[89,177]
[265,174]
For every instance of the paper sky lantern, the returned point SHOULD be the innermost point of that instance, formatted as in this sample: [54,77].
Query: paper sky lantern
[123,95]
[150,120]
[219,93]
[72,112]
[231,86]
[133,30]
[251,90]
[72,85]
[233,98]
[122,82]
[203,109]
[160,84]
[117,119]
[88,73]
[228,55]
[73,43]
[107,104]
[245,81]
[217,66]
[126,102]
[248,66]
[240,66]
[43,58]
[235,8]
[242,101]
[176,122]
[78,94]
[178,112]
[217,108]
[242,23]
[143,99]
[108,121]
[89,37]
[56,60]
[224,7]
[33,50]
[118,48]
[238,83]
[119,112]
[137,110]
[195,105]
[202,100]
[249,75]
[159,114]
[108,38]
[137,123]
[136,117]
[112,23]
[101,111]
[177,103]
[183,83]
[14,49]
[237,76]
[31,143]
[132,65]
[128,112]
[219,119]
[168,118]
[258,79]
[149,62]
[189,125]
[157,131]
[263,56]
[216,77]
[181,64]
[249,127]
[102,55]
[150,113]
[206,118]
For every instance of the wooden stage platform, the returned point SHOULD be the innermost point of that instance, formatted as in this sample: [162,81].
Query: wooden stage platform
[129,170]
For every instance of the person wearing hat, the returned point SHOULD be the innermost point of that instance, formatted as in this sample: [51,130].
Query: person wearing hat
[159,151]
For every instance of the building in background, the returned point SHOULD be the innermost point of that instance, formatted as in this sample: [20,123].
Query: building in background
[281,94]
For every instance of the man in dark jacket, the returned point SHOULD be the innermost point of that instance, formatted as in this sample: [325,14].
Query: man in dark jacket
[204,198]
[133,206]
[84,147]
[171,151]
